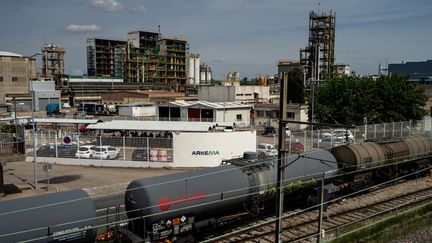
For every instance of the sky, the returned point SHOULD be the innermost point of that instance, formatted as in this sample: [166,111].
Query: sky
[248,36]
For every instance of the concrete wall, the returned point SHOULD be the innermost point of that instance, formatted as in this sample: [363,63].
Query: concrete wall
[209,149]
[233,93]
[42,85]
[231,116]
[217,93]
[137,111]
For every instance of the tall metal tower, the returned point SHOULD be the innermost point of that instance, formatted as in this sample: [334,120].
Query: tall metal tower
[53,63]
[319,55]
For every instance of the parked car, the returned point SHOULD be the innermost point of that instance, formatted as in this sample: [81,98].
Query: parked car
[266,149]
[63,150]
[140,154]
[106,152]
[329,142]
[339,134]
[85,151]
[269,130]
[296,147]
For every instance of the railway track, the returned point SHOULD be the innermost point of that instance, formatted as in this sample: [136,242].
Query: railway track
[302,226]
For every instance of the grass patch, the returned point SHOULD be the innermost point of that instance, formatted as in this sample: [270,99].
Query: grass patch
[390,228]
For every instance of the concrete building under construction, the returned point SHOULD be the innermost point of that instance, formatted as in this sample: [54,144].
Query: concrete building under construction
[53,63]
[105,57]
[147,57]
[318,56]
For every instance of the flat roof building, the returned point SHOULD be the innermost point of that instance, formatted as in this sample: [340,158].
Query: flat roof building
[416,71]
[15,72]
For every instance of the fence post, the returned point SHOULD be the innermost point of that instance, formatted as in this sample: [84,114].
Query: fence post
[393,129]
[410,127]
[375,131]
[401,129]
[78,143]
[384,130]
[124,148]
[100,145]
[305,139]
[148,150]
[55,144]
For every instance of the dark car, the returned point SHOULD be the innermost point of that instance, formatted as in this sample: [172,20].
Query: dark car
[63,150]
[269,130]
[140,154]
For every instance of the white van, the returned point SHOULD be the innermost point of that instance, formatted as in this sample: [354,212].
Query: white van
[266,149]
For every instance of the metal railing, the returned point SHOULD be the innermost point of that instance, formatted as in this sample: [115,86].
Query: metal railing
[11,145]
[67,145]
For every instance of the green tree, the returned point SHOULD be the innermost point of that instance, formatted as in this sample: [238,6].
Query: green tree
[296,92]
[8,128]
[347,99]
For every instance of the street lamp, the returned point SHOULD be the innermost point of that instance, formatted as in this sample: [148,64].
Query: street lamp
[34,140]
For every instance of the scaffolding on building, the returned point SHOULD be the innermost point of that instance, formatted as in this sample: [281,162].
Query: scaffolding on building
[318,56]
[53,63]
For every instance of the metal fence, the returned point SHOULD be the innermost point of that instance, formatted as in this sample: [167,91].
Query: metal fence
[11,145]
[308,140]
[66,145]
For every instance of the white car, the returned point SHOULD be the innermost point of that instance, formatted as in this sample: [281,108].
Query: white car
[105,152]
[266,149]
[85,151]
[339,135]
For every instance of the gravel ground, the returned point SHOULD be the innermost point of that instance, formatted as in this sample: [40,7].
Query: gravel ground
[19,177]
[421,235]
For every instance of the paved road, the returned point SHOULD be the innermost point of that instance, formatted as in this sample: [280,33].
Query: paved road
[19,178]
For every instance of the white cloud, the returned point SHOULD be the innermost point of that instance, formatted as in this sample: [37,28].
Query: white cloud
[77,28]
[109,5]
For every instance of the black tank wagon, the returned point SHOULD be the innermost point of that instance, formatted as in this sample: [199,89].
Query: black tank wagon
[174,204]
[55,217]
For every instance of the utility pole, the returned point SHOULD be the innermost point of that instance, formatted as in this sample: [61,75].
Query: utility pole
[319,240]
[281,156]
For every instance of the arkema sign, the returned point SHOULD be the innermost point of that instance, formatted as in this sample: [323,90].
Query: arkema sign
[208,149]
[209,152]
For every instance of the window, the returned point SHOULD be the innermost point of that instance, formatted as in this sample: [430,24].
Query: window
[291,115]
[239,117]
[1,78]
[14,79]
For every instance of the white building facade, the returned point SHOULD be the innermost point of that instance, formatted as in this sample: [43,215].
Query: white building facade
[245,94]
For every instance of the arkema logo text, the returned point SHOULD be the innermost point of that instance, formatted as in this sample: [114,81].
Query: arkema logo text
[209,152]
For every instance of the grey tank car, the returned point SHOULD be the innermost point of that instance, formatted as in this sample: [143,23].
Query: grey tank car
[174,204]
[56,217]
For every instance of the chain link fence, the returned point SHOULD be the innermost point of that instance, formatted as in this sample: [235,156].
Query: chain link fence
[66,145]
[308,140]
[151,148]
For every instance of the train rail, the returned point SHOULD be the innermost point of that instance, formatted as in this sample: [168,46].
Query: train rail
[301,226]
